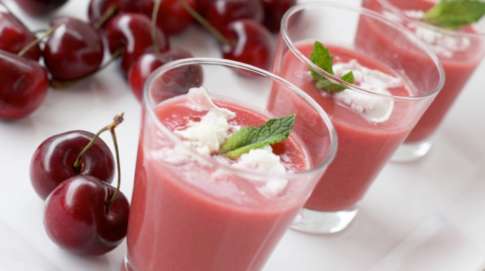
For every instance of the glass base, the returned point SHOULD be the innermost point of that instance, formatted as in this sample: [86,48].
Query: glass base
[409,152]
[316,222]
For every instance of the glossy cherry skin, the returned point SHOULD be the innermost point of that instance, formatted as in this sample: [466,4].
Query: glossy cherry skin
[274,11]
[223,12]
[78,216]
[177,82]
[53,161]
[98,8]
[40,7]
[172,18]
[148,62]
[23,86]
[14,35]
[202,6]
[74,50]
[133,33]
[251,43]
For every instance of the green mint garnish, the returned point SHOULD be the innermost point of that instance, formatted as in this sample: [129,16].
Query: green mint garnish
[454,14]
[250,138]
[322,58]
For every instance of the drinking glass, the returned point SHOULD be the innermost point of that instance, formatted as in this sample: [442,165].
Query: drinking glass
[460,51]
[367,137]
[195,212]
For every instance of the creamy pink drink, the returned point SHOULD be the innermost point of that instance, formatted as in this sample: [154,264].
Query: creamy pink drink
[365,144]
[373,99]
[196,227]
[194,207]
[460,52]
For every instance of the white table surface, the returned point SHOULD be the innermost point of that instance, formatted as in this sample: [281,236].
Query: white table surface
[428,215]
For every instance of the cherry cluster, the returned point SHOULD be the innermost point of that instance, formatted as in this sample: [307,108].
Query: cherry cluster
[242,27]
[137,31]
[72,171]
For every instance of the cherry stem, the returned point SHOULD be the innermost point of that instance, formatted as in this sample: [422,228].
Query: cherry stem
[118,162]
[201,20]
[59,84]
[117,120]
[35,42]
[156,9]
[112,10]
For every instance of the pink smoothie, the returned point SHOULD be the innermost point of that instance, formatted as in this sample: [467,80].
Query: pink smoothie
[458,67]
[364,147]
[182,219]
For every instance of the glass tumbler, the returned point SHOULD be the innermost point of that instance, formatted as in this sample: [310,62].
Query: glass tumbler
[460,51]
[195,212]
[372,116]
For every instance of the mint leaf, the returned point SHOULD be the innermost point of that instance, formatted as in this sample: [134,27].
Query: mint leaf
[322,58]
[455,13]
[250,138]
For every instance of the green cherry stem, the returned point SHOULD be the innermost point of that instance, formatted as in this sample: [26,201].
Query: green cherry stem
[117,120]
[118,162]
[35,42]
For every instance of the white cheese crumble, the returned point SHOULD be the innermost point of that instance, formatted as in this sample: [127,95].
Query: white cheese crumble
[443,43]
[206,135]
[213,129]
[374,108]
[265,161]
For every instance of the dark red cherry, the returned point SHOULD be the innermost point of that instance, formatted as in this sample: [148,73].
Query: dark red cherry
[53,161]
[80,218]
[40,7]
[74,50]
[98,8]
[178,81]
[250,43]
[274,11]
[14,35]
[133,33]
[149,62]
[23,86]
[172,17]
[223,12]
[202,6]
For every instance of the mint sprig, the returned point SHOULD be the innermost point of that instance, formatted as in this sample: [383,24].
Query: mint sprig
[250,138]
[322,58]
[455,14]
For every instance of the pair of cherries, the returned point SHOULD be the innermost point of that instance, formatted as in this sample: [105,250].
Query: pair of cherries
[73,50]
[23,82]
[72,171]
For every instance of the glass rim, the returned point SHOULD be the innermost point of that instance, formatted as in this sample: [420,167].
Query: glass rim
[150,105]
[369,13]
[393,8]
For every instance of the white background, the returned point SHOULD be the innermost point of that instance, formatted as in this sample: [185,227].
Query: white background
[428,215]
